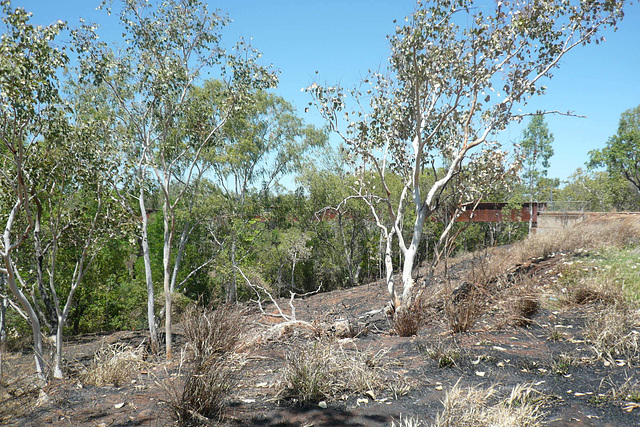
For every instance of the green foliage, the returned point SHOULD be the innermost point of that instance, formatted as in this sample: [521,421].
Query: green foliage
[537,149]
[621,156]
[601,191]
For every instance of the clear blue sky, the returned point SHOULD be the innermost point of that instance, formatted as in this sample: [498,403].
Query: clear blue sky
[343,39]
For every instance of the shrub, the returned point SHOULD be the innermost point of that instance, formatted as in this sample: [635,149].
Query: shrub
[408,318]
[319,371]
[207,388]
[114,364]
[213,337]
[210,330]
[613,333]
[473,407]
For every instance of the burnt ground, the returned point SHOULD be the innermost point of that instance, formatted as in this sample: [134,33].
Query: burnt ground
[549,353]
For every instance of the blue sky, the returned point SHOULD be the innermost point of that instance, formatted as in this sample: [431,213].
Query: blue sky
[343,39]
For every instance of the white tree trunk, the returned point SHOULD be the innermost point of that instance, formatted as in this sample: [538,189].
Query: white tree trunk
[151,317]
[388,264]
[31,314]
[410,256]
[166,263]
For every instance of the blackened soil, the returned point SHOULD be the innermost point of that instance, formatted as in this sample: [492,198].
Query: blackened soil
[550,353]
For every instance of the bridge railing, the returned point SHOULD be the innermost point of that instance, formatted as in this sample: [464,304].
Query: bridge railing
[568,206]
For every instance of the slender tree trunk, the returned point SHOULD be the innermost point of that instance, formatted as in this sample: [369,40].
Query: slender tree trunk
[166,263]
[3,322]
[388,263]
[31,314]
[51,319]
[146,256]
[57,370]
[530,205]
[410,256]
[232,286]
[178,260]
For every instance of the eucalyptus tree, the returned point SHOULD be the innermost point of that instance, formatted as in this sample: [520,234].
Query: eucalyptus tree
[621,156]
[537,150]
[166,47]
[31,115]
[457,72]
[259,146]
[599,191]
[76,213]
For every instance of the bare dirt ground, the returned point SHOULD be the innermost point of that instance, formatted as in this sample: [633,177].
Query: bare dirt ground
[549,353]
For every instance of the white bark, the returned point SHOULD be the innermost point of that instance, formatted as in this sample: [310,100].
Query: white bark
[146,256]
[12,275]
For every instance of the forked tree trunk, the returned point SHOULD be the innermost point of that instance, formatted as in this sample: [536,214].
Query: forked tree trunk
[31,314]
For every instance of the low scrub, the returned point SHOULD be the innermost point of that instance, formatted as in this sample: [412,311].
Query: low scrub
[115,365]
[467,304]
[321,370]
[444,354]
[206,388]
[408,319]
[473,407]
[614,333]
[617,234]
[209,330]
[214,336]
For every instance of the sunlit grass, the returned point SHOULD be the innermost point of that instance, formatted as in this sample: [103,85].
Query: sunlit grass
[611,273]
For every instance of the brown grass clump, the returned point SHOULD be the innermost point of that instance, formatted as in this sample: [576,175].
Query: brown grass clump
[592,287]
[614,333]
[523,309]
[320,370]
[481,407]
[214,336]
[467,304]
[210,330]
[444,354]
[408,318]
[206,389]
[114,365]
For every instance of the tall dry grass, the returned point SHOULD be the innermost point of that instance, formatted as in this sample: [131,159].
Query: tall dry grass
[585,236]
[323,369]
[214,338]
[477,407]
[114,365]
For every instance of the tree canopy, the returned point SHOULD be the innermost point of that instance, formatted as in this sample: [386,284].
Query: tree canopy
[621,156]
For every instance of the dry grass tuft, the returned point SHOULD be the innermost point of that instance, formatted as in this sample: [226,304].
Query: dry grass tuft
[210,330]
[466,305]
[322,370]
[627,394]
[482,407]
[204,394]
[444,354]
[114,365]
[407,422]
[213,338]
[614,333]
[408,318]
